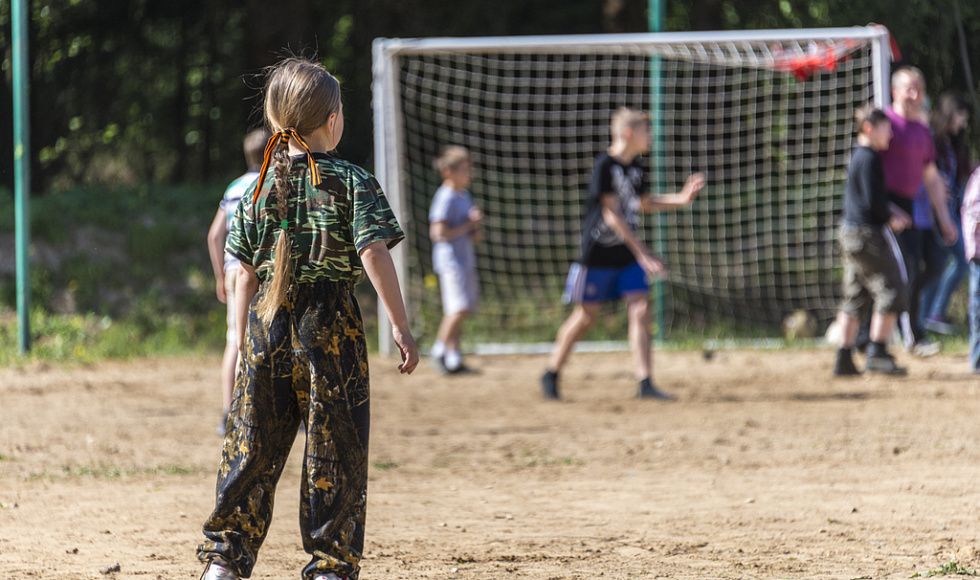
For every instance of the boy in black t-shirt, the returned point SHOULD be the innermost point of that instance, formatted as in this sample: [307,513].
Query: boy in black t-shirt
[614,264]
[871,269]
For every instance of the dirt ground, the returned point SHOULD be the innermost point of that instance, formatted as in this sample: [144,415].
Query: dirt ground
[764,468]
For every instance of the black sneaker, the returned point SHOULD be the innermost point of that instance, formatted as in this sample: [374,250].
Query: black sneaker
[649,391]
[439,363]
[884,364]
[845,365]
[462,369]
[549,385]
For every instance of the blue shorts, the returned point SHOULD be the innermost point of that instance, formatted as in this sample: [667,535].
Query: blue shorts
[585,285]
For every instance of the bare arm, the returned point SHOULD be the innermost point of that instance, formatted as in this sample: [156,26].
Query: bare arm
[669,201]
[612,217]
[381,271]
[900,219]
[246,285]
[441,232]
[216,250]
[936,189]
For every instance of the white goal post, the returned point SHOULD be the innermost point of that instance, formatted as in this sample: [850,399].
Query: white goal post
[767,114]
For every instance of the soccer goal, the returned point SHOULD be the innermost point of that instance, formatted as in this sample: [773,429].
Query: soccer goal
[766,114]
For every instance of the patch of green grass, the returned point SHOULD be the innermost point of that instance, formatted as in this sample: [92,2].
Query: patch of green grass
[531,458]
[86,338]
[385,465]
[951,568]
[109,471]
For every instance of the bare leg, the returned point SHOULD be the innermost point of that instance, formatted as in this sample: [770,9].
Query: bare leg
[882,325]
[638,312]
[576,325]
[450,329]
[229,363]
[849,326]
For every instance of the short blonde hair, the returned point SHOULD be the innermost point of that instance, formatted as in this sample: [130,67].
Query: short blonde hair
[624,118]
[451,158]
[868,113]
[254,147]
[909,72]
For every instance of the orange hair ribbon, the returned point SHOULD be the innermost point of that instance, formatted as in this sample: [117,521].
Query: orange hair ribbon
[283,136]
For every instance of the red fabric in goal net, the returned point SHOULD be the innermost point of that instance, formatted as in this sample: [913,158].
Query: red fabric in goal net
[819,56]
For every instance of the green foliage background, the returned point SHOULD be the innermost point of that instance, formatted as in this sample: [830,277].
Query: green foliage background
[139,106]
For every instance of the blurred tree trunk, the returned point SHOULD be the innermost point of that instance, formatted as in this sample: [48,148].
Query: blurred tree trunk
[207,123]
[625,15]
[707,15]
[270,30]
[180,99]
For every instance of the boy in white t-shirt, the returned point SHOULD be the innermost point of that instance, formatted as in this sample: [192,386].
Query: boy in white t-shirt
[225,266]
[454,227]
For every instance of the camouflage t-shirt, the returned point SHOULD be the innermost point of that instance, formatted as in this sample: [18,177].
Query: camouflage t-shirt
[329,224]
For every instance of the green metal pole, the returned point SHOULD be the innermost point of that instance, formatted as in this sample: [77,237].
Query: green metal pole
[657,14]
[22,169]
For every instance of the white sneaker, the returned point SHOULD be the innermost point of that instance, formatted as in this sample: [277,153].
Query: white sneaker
[939,326]
[330,576]
[218,572]
[453,360]
[926,348]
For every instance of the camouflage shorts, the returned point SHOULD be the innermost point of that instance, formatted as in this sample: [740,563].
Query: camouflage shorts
[308,367]
[871,272]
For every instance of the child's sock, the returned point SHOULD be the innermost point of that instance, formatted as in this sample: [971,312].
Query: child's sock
[453,360]
[438,349]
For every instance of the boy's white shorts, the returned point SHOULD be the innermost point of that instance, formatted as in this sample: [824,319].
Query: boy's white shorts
[231,336]
[460,290]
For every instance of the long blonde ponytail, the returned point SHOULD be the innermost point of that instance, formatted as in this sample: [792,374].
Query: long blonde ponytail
[300,96]
[282,272]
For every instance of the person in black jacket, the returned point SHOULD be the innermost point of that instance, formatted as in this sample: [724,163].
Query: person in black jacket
[871,269]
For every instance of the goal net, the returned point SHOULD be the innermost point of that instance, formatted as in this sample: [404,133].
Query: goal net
[766,115]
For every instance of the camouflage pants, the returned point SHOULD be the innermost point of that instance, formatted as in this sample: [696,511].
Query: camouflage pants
[309,366]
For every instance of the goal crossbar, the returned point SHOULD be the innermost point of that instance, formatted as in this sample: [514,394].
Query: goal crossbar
[755,49]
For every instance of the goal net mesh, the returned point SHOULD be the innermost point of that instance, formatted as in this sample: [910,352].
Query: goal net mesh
[769,122]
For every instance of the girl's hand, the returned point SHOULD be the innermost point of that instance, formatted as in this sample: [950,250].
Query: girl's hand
[219,290]
[407,349]
[475,216]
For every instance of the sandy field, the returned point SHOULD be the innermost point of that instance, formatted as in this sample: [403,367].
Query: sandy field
[765,468]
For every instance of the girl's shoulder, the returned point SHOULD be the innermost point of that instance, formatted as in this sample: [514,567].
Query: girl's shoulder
[344,170]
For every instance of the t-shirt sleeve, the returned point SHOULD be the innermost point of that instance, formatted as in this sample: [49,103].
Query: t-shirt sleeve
[372,220]
[439,212]
[873,186]
[243,233]
[602,182]
[644,179]
[225,204]
[931,155]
